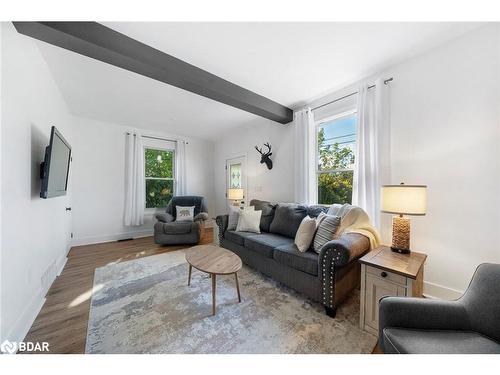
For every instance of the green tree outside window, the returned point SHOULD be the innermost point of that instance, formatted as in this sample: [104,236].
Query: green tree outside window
[335,170]
[159,174]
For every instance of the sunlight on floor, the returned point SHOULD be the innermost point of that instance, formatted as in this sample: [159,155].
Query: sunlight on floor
[85,296]
[115,262]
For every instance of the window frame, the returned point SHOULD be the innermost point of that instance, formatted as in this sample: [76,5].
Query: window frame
[317,172]
[155,146]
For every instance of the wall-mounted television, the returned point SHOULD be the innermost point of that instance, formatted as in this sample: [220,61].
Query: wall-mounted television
[55,168]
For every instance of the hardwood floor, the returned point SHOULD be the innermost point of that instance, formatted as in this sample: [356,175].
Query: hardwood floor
[63,319]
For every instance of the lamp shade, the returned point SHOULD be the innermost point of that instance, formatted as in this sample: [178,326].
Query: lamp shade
[404,199]
[235,194]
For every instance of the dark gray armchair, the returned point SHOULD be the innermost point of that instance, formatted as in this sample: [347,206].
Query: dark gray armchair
[167,231]
[468,325]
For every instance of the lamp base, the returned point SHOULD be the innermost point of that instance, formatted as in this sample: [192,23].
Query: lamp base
[400,251]
[400,234]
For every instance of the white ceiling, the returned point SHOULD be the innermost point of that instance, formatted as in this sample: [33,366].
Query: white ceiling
[290,63]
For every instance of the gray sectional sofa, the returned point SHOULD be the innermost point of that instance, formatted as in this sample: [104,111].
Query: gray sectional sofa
[327,277]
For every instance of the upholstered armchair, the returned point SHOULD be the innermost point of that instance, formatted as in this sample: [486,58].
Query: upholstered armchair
[471,324]
[168,231]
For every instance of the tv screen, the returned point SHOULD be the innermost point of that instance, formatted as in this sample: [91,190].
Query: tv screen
[55,167]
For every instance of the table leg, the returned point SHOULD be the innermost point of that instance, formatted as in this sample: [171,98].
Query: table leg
[213,294]
[237,286]
[189,276]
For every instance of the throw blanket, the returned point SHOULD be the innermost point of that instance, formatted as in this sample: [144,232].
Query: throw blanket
[355,220]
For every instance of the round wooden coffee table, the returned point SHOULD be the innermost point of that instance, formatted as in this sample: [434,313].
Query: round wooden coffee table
[214,260]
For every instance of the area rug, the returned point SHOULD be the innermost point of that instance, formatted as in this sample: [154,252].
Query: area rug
[145,306]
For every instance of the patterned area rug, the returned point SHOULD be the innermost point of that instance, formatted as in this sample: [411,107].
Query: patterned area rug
[145,306]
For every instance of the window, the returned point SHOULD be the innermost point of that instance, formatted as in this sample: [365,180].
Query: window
[235,176]
[336,147]
[159,176]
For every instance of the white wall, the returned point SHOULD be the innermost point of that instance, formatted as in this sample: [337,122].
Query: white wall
[35,231]
[99,175]
[445,134]
[445,131]
[275,184]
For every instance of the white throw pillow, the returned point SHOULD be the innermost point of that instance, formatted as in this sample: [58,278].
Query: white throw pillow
[184,213]
[305,234]
[234,214]
[249,221]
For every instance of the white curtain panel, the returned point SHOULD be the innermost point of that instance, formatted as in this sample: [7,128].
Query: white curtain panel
[134,180]
[305,156]
[373,149]
[180,171]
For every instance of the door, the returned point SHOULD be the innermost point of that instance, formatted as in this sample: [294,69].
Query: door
[376,288]
[236,175]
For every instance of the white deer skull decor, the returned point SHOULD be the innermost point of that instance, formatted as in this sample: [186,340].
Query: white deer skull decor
[265,157]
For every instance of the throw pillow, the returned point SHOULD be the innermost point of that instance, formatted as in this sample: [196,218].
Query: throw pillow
[320,218]
[326,231]
[305,234]
[249,221]
[234,214]
[268,209]
[184,213]
[287,219]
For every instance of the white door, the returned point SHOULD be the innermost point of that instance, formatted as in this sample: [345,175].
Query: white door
[377,288]
[236,175]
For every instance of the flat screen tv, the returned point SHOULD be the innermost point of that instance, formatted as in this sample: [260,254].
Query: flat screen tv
[55,168]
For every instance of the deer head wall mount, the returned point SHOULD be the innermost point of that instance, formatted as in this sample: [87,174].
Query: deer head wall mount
[265,157]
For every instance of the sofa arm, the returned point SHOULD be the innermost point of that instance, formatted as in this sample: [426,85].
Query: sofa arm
[335,254]
[222,221]
[202,216]
[165,218]
[421,313]
[344,249]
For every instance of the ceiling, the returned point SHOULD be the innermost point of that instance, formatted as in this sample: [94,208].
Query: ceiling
[290,63]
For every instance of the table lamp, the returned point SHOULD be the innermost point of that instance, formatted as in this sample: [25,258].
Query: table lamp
[403,200]
[236,195]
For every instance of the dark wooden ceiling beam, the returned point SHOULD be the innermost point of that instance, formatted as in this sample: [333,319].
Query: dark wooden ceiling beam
[104,44]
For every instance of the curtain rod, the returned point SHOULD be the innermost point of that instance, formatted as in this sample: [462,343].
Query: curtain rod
[386,81]
[158,138]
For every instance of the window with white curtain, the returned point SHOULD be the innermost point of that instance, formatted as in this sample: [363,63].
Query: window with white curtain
[335,157]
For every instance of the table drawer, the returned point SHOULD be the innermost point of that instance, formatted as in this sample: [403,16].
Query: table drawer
[385,275]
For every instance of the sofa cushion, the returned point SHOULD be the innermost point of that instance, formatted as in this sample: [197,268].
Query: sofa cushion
[290,256]
[287,219]
[399,340]
[237,237]
[268,210]
[265,243]
[177,227]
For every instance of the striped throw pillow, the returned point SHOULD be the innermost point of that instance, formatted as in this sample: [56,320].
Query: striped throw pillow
[327,229]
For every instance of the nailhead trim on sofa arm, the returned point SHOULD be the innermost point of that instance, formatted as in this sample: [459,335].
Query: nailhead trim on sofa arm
[335,254]
[222,221]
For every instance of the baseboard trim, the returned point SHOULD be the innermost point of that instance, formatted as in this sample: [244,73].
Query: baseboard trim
[91,240]
[26,319]
[437,291]
[28,316]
